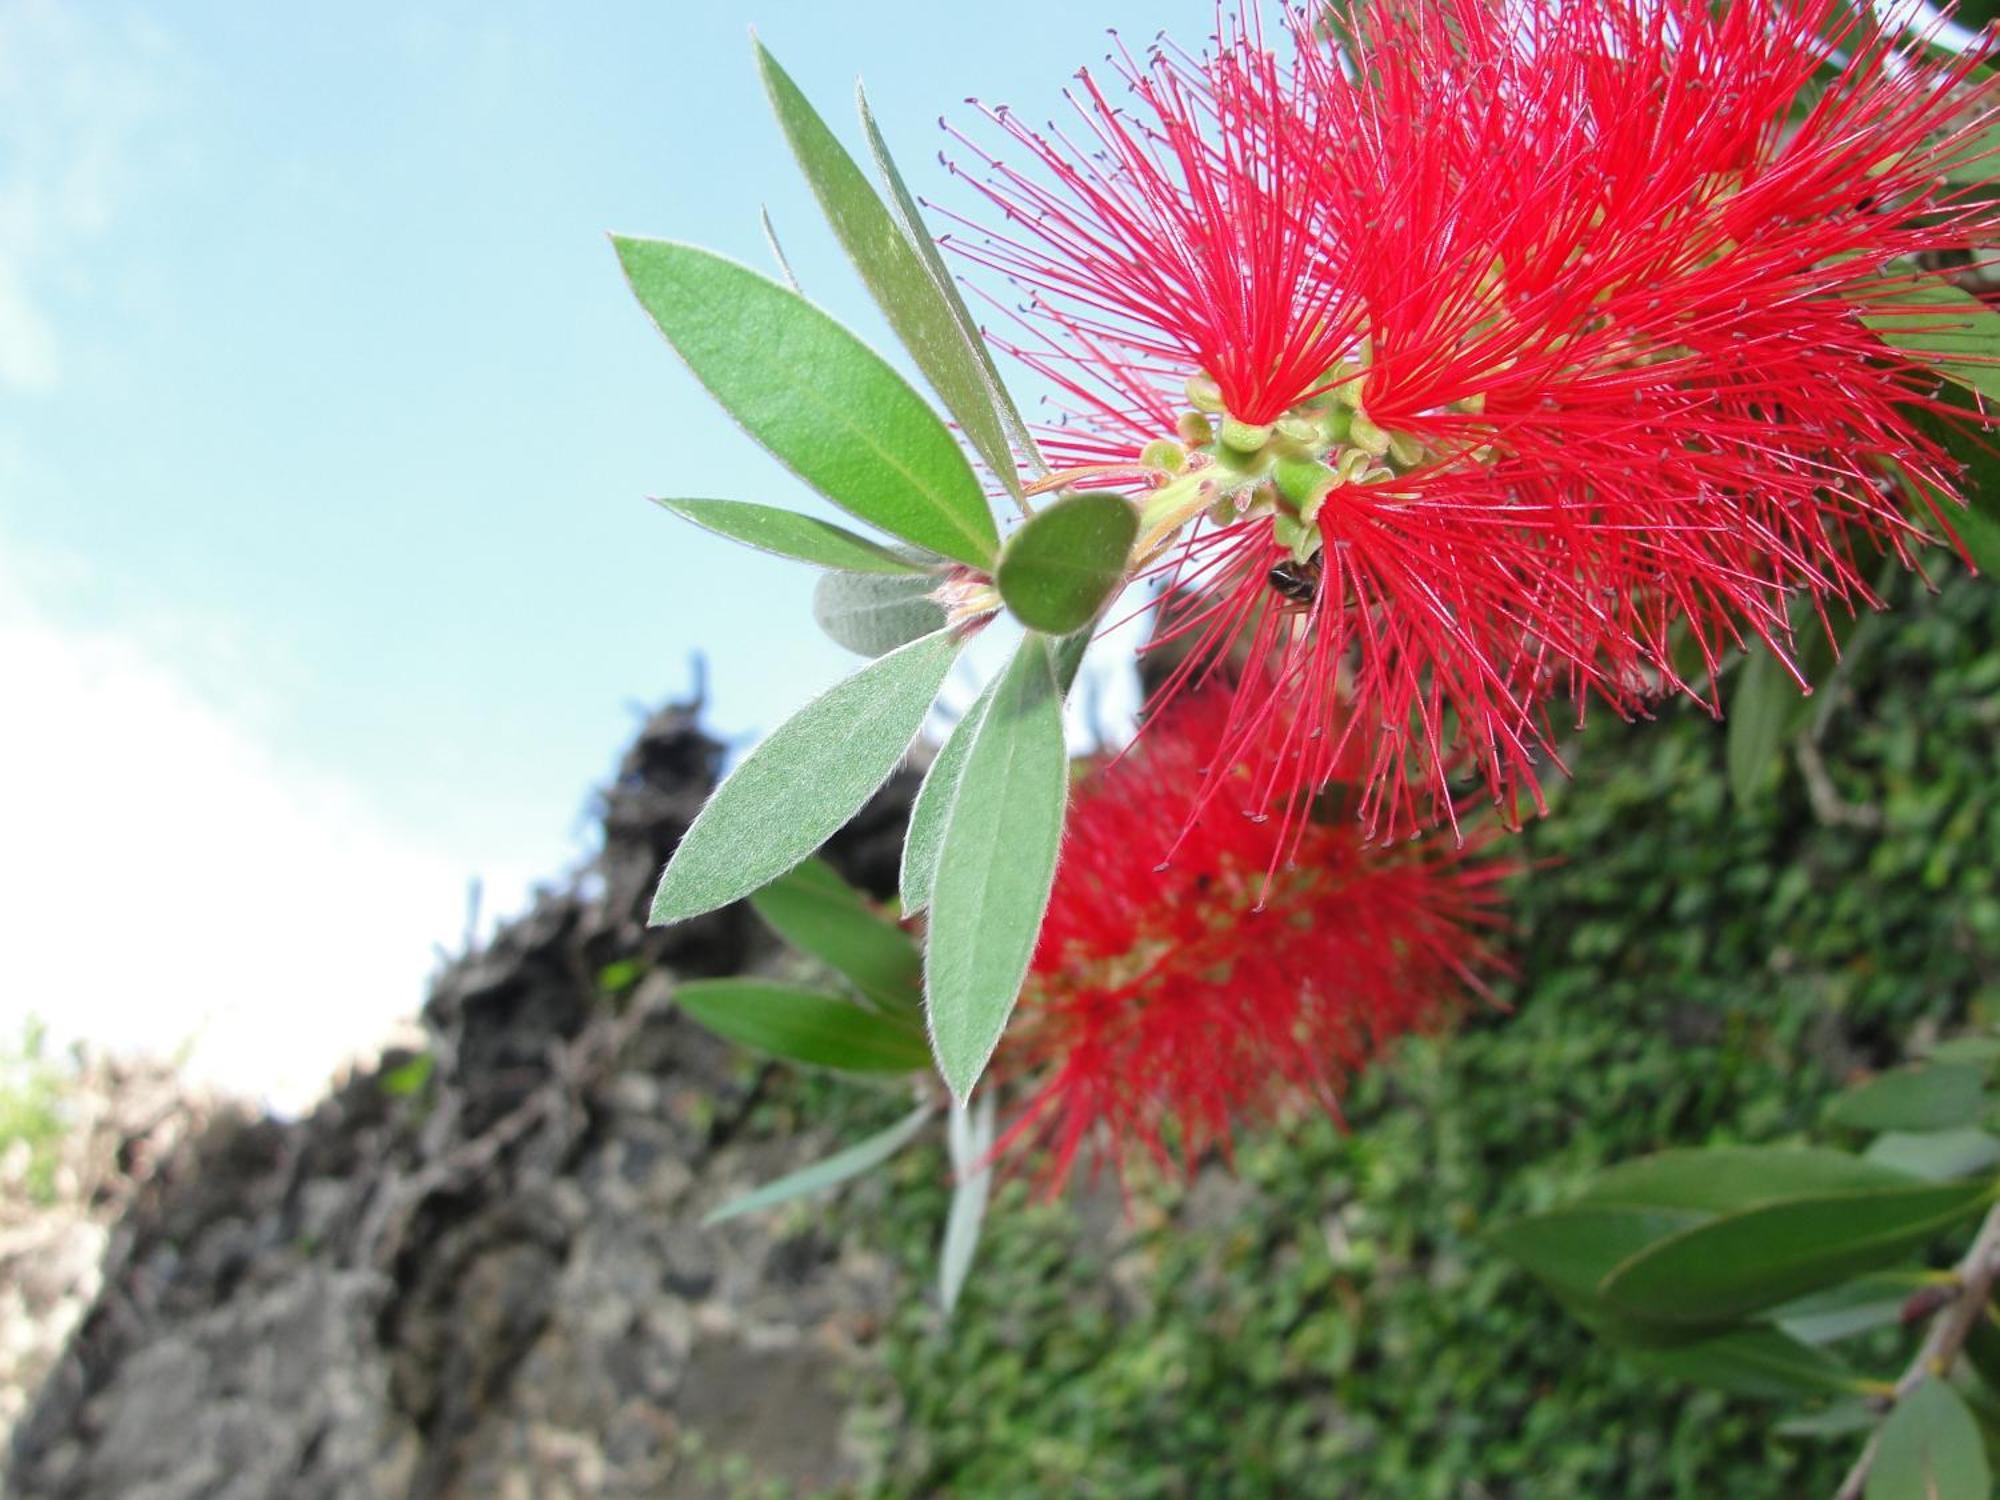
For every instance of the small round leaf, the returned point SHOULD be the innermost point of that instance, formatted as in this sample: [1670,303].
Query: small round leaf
[1063,566]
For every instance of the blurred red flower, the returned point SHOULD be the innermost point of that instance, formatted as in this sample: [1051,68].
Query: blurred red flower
[1181,987]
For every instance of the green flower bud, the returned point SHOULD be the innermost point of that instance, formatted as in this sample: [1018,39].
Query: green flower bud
[1164,453]
[1405,449]
[1204,394]
[1243,437]
[1303,480]
[1366,436]
[1195,429]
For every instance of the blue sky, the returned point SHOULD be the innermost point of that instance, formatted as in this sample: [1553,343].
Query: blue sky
[324,414]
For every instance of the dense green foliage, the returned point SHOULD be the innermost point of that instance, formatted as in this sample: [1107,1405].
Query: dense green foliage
[1690,972]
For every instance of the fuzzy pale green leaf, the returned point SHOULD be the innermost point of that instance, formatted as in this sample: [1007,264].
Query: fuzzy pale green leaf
[996,862]
[895,274]
[927,813]
[971,1138]
[823,1176]
[816,396]
[911,222]
[870,614]
[786,533]
[809,776]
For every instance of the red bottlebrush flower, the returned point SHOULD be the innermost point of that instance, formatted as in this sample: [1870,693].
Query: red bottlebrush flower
[1524,339]
[1179,986]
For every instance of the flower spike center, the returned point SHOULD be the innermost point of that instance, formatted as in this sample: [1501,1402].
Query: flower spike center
[1232,470]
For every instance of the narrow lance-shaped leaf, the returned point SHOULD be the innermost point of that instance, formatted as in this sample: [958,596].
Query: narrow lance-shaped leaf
[996,863]
[817,912]
[778,251]
[809,776]
[786,533]
[822,1176]
[1571,1250]
[920,843]
[1763,711]
[1066,563]
[816,396]
[1939,1155]
[911,222]
[869,613]
[1755,1362]
[927,813]
[1857,1306]
[1744,1262]
[899,281]
[971,1144]
[1722,1179]
[1938,1096]
[1842,1419]
[803,1025]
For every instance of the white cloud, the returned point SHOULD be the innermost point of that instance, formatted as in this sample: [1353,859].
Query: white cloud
[169,881]
[82,90]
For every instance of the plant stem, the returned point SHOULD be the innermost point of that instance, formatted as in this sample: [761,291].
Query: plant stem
[1950,1328]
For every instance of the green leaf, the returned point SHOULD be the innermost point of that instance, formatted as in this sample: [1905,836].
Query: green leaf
[1858,1306]
[408,1079]
[927,813]
[1754,1362]
[1744,1262]
[895,275]
[871,614]
[777,250]
[1980,534]
[1982,1051]
[1764,707]
[972,1171]
[1068,654]
[817,912]
[1937,1096]
[1946,328]
[1842,1419]
[996,862]
[786,533]
[1930,1450]
[1939,1155]
[1723,1179]
[824,403]
[1066,563]
[809,776]
[911,222]
[1571,1250]
[803,1025]
[842,1166]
